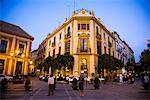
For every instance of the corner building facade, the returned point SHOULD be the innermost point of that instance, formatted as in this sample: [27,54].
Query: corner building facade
[85,38]
[15,48]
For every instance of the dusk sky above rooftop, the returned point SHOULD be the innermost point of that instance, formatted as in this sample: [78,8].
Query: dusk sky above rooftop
[129,18]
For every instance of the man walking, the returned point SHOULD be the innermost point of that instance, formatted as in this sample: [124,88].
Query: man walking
[51,85]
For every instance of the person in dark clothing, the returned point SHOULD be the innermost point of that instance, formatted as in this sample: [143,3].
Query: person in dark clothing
[74,84]
[96,82]
[81,84]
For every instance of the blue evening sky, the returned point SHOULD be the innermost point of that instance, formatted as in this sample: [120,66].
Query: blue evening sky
[130,18]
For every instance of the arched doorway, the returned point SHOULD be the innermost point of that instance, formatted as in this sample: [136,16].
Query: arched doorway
[84,67]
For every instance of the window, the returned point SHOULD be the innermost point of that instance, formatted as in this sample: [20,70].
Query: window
[98,47]
[108,39]
[68,31]
[67,47]
[1,66]
[49,42]
[78,26]
[21,48]
[49,53]
[88,27]
[97,30]
[59,51]
[83,26]
[53,52]
[3,46]
[105,50]
[54,40]
[104,36]
[60,36]
[109,51]
[113,53]
[83,45]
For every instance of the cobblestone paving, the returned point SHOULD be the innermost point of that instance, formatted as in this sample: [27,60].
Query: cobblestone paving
[108,91]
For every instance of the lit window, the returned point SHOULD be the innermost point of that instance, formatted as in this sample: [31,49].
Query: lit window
[21,48]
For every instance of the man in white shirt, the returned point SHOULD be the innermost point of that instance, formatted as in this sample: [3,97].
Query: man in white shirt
[51,85]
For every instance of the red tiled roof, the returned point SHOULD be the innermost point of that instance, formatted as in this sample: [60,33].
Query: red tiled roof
[14,29]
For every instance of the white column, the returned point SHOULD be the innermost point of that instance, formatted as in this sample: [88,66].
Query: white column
[11,59]
[9,67]
[25,68]
[92,36]
[92,67]
[27,49]
[13,44]
[76,65]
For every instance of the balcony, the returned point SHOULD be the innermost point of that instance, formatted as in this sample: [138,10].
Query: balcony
[84,51]
[53,44]
[67,36]
[99,36]
[109,44]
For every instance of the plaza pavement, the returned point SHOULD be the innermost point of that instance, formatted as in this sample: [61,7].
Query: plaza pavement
[108,91]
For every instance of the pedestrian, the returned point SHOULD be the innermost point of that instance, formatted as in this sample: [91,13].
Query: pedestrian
[146,82]
[27,84]
[51,85]
[96,82]
[75,83]
[81,84]
[121,78]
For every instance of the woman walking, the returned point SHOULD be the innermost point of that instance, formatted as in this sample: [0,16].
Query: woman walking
[81,84]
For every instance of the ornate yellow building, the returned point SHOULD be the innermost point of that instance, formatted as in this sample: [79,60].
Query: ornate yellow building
[84,37]
[15,48]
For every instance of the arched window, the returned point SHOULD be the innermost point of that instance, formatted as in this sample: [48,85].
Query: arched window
[68,31]
[83,45]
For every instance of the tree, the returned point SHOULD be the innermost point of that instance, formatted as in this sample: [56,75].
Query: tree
[64,61]
[40,66]
[145,60]
[108,62]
